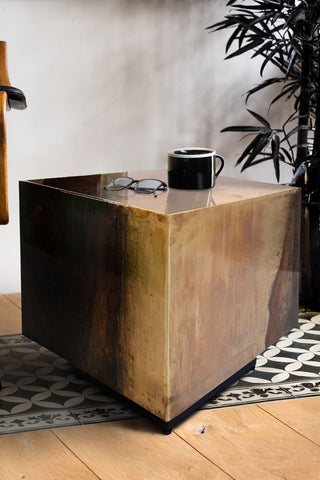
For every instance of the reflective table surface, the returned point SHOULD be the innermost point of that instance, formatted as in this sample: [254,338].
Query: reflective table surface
[226,190]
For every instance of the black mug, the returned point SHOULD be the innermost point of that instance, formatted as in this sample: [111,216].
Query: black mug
[193,168]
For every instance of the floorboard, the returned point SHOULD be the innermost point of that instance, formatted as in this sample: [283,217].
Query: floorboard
[136,450]
[10,316]
[39,456]
[248,443]
[14,298]
[302,415]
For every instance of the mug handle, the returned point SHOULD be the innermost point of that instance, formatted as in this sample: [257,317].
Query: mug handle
[221,166]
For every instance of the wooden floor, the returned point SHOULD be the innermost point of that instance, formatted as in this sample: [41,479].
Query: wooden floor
[276,440]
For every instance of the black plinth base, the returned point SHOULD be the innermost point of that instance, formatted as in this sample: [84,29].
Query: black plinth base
[166,427]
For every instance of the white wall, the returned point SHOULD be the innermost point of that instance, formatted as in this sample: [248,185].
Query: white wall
[112,85]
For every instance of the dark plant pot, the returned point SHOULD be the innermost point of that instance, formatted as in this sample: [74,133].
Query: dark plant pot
[310,239]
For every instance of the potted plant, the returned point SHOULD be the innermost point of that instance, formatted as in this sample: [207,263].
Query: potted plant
[285,34]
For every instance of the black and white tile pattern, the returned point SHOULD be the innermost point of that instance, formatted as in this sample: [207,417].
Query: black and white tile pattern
[288,369]
[41,390]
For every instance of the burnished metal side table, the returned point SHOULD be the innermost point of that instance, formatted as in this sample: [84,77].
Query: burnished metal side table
[164,300]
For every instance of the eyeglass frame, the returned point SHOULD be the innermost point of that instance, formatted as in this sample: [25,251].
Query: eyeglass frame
[163,186]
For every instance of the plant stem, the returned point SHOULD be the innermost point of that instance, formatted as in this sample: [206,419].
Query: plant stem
[302,155]
[313,185]
[316,138]
[304,110]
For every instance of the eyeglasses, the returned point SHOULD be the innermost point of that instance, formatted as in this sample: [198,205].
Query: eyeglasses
[148,185]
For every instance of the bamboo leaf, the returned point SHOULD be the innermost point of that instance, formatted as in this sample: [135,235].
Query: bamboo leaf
[245,49]
[297,103]
[264,5]
[251,29]
[259,118]
[265,157]
[242,129]
[277,62]
[269,58]
[261,20]
[291,63]
[275,145]
[226,23]
[289,156]
[289,91]
[232,38]
[243,37]
[248,149]
[262,85]
[261,144]
[254,149]
[262,49]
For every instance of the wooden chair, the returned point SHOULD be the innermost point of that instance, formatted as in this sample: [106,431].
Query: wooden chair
[10,97]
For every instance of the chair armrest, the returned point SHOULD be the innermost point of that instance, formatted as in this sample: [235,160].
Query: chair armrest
[4,210]
[15,97]
[10,97]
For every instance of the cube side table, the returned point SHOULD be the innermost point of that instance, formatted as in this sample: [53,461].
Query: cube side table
[162,299]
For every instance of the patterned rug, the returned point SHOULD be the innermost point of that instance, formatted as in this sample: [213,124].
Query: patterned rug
[41,390]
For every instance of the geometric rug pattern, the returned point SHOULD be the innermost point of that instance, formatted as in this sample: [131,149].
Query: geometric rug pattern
[41,390]
[288,369]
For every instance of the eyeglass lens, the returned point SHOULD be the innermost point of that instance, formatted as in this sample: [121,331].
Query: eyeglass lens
[148,185]
[119,183]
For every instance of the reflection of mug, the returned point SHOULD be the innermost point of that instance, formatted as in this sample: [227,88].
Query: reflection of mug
[193,168]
